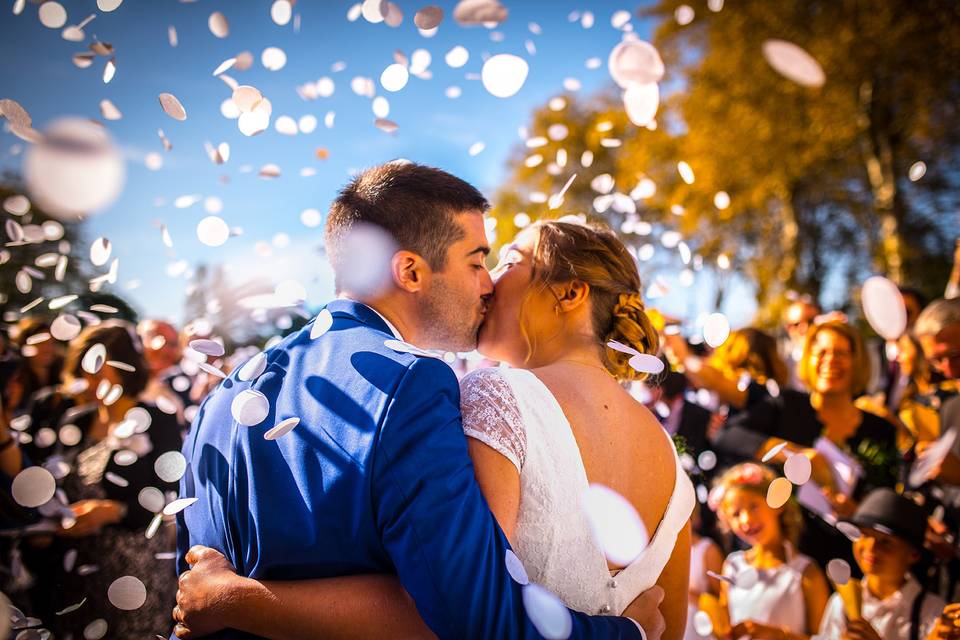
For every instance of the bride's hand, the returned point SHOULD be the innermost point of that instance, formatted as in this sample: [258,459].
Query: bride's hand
[205,594]
[645,609]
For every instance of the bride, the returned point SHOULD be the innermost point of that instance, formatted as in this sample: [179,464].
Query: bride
[539,433]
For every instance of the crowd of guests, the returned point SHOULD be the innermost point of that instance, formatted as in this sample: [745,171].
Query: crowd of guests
[105,414]
[862,413]
[104,411]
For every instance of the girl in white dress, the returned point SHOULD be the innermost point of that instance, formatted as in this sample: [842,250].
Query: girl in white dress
[557,421]
[773,591]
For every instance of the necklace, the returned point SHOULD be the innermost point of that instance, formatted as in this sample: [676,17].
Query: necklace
[587,364]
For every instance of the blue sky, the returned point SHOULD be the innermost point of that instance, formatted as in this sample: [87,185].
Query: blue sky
[38,72]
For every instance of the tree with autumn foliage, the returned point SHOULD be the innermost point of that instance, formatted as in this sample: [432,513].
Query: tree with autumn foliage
[792,184]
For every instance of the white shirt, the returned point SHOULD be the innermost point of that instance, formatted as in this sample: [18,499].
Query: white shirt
[890,617]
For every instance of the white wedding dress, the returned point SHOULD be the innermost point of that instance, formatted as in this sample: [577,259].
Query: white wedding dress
[513,412]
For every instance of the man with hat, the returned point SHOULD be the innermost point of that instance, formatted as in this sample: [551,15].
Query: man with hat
[894,606]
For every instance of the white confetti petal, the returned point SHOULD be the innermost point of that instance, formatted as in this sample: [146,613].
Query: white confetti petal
[797,469]
[716,329]
[322,324]
[213,231]
[127,593]
[547,613]
[94,359]
[884,308]
[838,571]
[273,58]
[52,15]
[794,63]
[95,630]
[178,505]
[635,62]
[250,407]
[172,107]
[281,11]
[503,75]
[615,523]
[253,367]
[516,569]
[702,624]
[170,466]
[33,487]
[281,429]
[772,453]
[217,22]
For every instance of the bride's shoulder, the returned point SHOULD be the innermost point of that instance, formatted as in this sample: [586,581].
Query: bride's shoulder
[486,378]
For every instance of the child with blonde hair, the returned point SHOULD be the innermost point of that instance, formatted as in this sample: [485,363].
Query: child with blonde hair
[771,590]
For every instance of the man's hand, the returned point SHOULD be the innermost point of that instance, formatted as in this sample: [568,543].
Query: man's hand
[860,630]
[645,609]
[206,592]
[843,506]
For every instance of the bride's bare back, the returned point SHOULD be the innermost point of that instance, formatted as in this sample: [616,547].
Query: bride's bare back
[622,444]
[624,447]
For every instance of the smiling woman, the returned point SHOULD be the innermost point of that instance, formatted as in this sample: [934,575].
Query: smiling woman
[834,367]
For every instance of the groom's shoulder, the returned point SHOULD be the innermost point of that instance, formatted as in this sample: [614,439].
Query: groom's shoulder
[353,350]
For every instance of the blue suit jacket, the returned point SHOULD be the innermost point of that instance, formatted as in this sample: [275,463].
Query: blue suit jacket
[375,479]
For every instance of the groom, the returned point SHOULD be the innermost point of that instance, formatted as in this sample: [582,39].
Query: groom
[375,478]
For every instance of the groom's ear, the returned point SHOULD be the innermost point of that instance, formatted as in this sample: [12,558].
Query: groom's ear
[410,271]
[571,295]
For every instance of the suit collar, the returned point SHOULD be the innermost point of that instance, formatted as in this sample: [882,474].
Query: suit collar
[363,313]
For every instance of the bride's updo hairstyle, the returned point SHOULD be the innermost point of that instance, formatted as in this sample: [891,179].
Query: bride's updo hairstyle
[566,251]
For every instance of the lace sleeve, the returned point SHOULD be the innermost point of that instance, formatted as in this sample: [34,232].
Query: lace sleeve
[491,415]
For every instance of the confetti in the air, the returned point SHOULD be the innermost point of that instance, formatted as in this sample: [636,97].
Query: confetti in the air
[615,524]
[779,492]
[283,428]
[884,307]
[250,407]
[547,613]
[503,75]
[794,63]
[797,469]
[127,593]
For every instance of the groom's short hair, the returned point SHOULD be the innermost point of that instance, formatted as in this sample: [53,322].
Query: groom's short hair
[414,203]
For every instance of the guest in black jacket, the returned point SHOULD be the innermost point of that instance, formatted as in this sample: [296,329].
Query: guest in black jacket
[682,417]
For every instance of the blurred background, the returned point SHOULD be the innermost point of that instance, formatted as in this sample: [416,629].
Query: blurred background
[794,187]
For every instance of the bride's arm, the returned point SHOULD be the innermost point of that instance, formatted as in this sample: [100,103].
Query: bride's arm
[499,483]
[496,443]
[212,597]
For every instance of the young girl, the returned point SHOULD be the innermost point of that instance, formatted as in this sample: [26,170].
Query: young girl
[773,591]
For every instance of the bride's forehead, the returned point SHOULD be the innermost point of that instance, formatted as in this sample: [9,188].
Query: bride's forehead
[524,241]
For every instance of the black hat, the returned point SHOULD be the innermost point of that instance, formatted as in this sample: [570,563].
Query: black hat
[890,513]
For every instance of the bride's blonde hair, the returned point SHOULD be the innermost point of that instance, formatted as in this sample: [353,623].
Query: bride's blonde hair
[566,251]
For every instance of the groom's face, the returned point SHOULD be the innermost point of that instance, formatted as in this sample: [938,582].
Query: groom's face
[454,305]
